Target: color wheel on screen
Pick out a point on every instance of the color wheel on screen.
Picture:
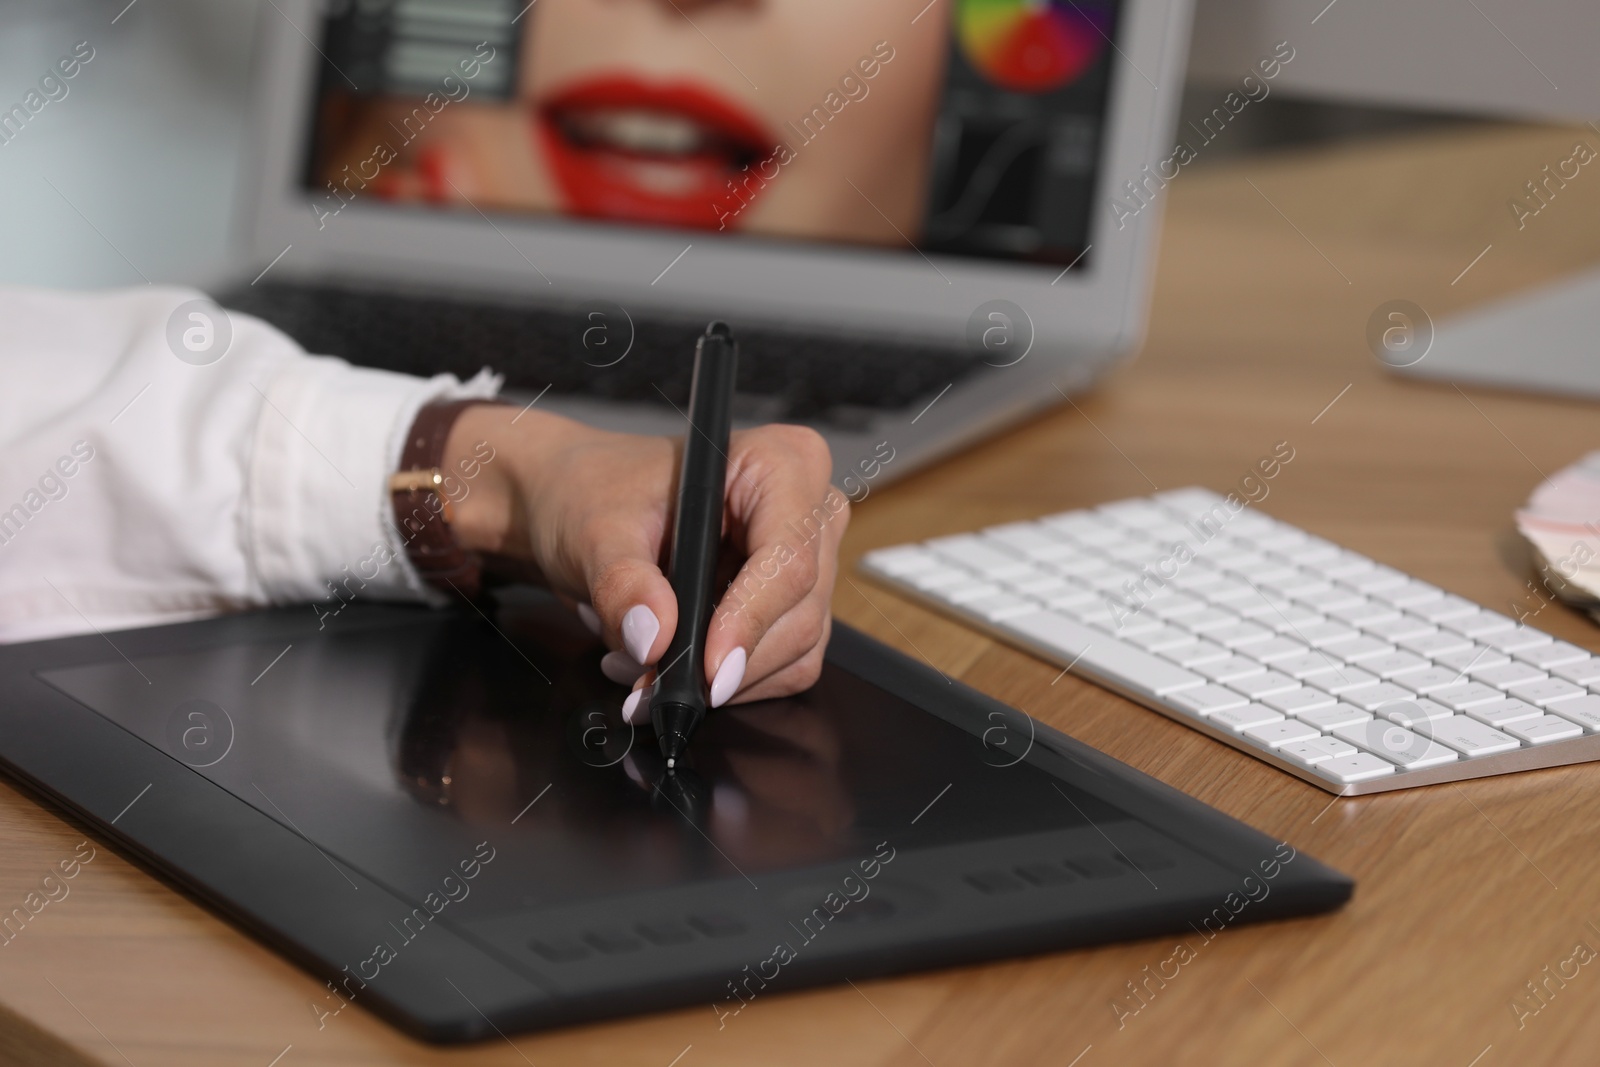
(1033, 46)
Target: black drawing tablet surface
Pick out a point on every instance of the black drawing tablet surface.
(444, 814)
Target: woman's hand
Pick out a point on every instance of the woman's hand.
(592, 510)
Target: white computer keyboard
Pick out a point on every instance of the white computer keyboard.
(1318, 660)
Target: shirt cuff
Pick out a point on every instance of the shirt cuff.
(319, 515)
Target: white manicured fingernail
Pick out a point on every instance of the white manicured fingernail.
(620, 668)
(639, 629)
(729, 675)
(590, 619)
(633, 705)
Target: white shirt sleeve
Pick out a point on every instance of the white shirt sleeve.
(137, 487)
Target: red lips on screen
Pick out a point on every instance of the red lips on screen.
(622, 148)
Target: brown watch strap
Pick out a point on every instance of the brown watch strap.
(422, 503)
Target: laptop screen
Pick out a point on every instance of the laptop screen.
(962, 127)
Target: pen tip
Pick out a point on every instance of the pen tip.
(718, 328)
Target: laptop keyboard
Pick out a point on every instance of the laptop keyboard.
(826, 379)
(1327, 664)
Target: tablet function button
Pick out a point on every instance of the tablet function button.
(559, 950)
(717, 925)
(665, 932)
(994, 882)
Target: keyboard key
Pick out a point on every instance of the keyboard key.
(1001, 606)
(1127, 626)
(1427, 679)
(1517, 640)
(1584, 672)
(1334, 717)
(1070, 598)
(1544, 729)
(1094, 614)
(1547, 691)
(1413, 714)
(1263, 685)
(1325, 634)
(1362, 648)
(1164, 638)
(942, 577)
(1273, 649)
(1306, 664)
(902, 562)
(1364, 612)
(1188, 501)
(1398, 629)
(1413, 592)
(1585, 711)
(1347, 565)
(1317, 749)
(1471, 737)
(1467, 695)
(1085, 527)
(1141, 671)
(1203, 622)
(1438, 643)
(1501, 712)
(1276, 734)
(1379, 577)
(1080, 567)
(1358, 767)
(1447, 607)
(1137, 513)
(1341, 680)
(1137, 553)
(1332, 599)
(961, 594)
(1506, 675)
(1207, 699)
(1039, 584)
(1375, 697)
(1467, 658)
(1291, 620)
(1196, 654)
(1232, 593)
(1240, 635)
(978, 554)
(1201, 583)
(1248, 717)
(1557, 654)
(1032, 540)
(1174, 605)
(1479, 625)
(1233, 667)
(1396, 744)
(1295, 585)
(1296, 701)
(1107, 582)
(1392, 663)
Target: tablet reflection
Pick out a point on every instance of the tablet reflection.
(531, 732)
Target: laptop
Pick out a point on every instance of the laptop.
(924, 218)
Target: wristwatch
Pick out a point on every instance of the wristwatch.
(422, 507)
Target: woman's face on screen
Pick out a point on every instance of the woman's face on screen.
(808, 118)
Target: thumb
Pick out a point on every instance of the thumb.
(633, 599)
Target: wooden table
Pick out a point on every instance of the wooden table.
(1465, 893)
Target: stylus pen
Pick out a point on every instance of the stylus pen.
(679, 703)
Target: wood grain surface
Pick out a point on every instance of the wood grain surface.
(1268, 272)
